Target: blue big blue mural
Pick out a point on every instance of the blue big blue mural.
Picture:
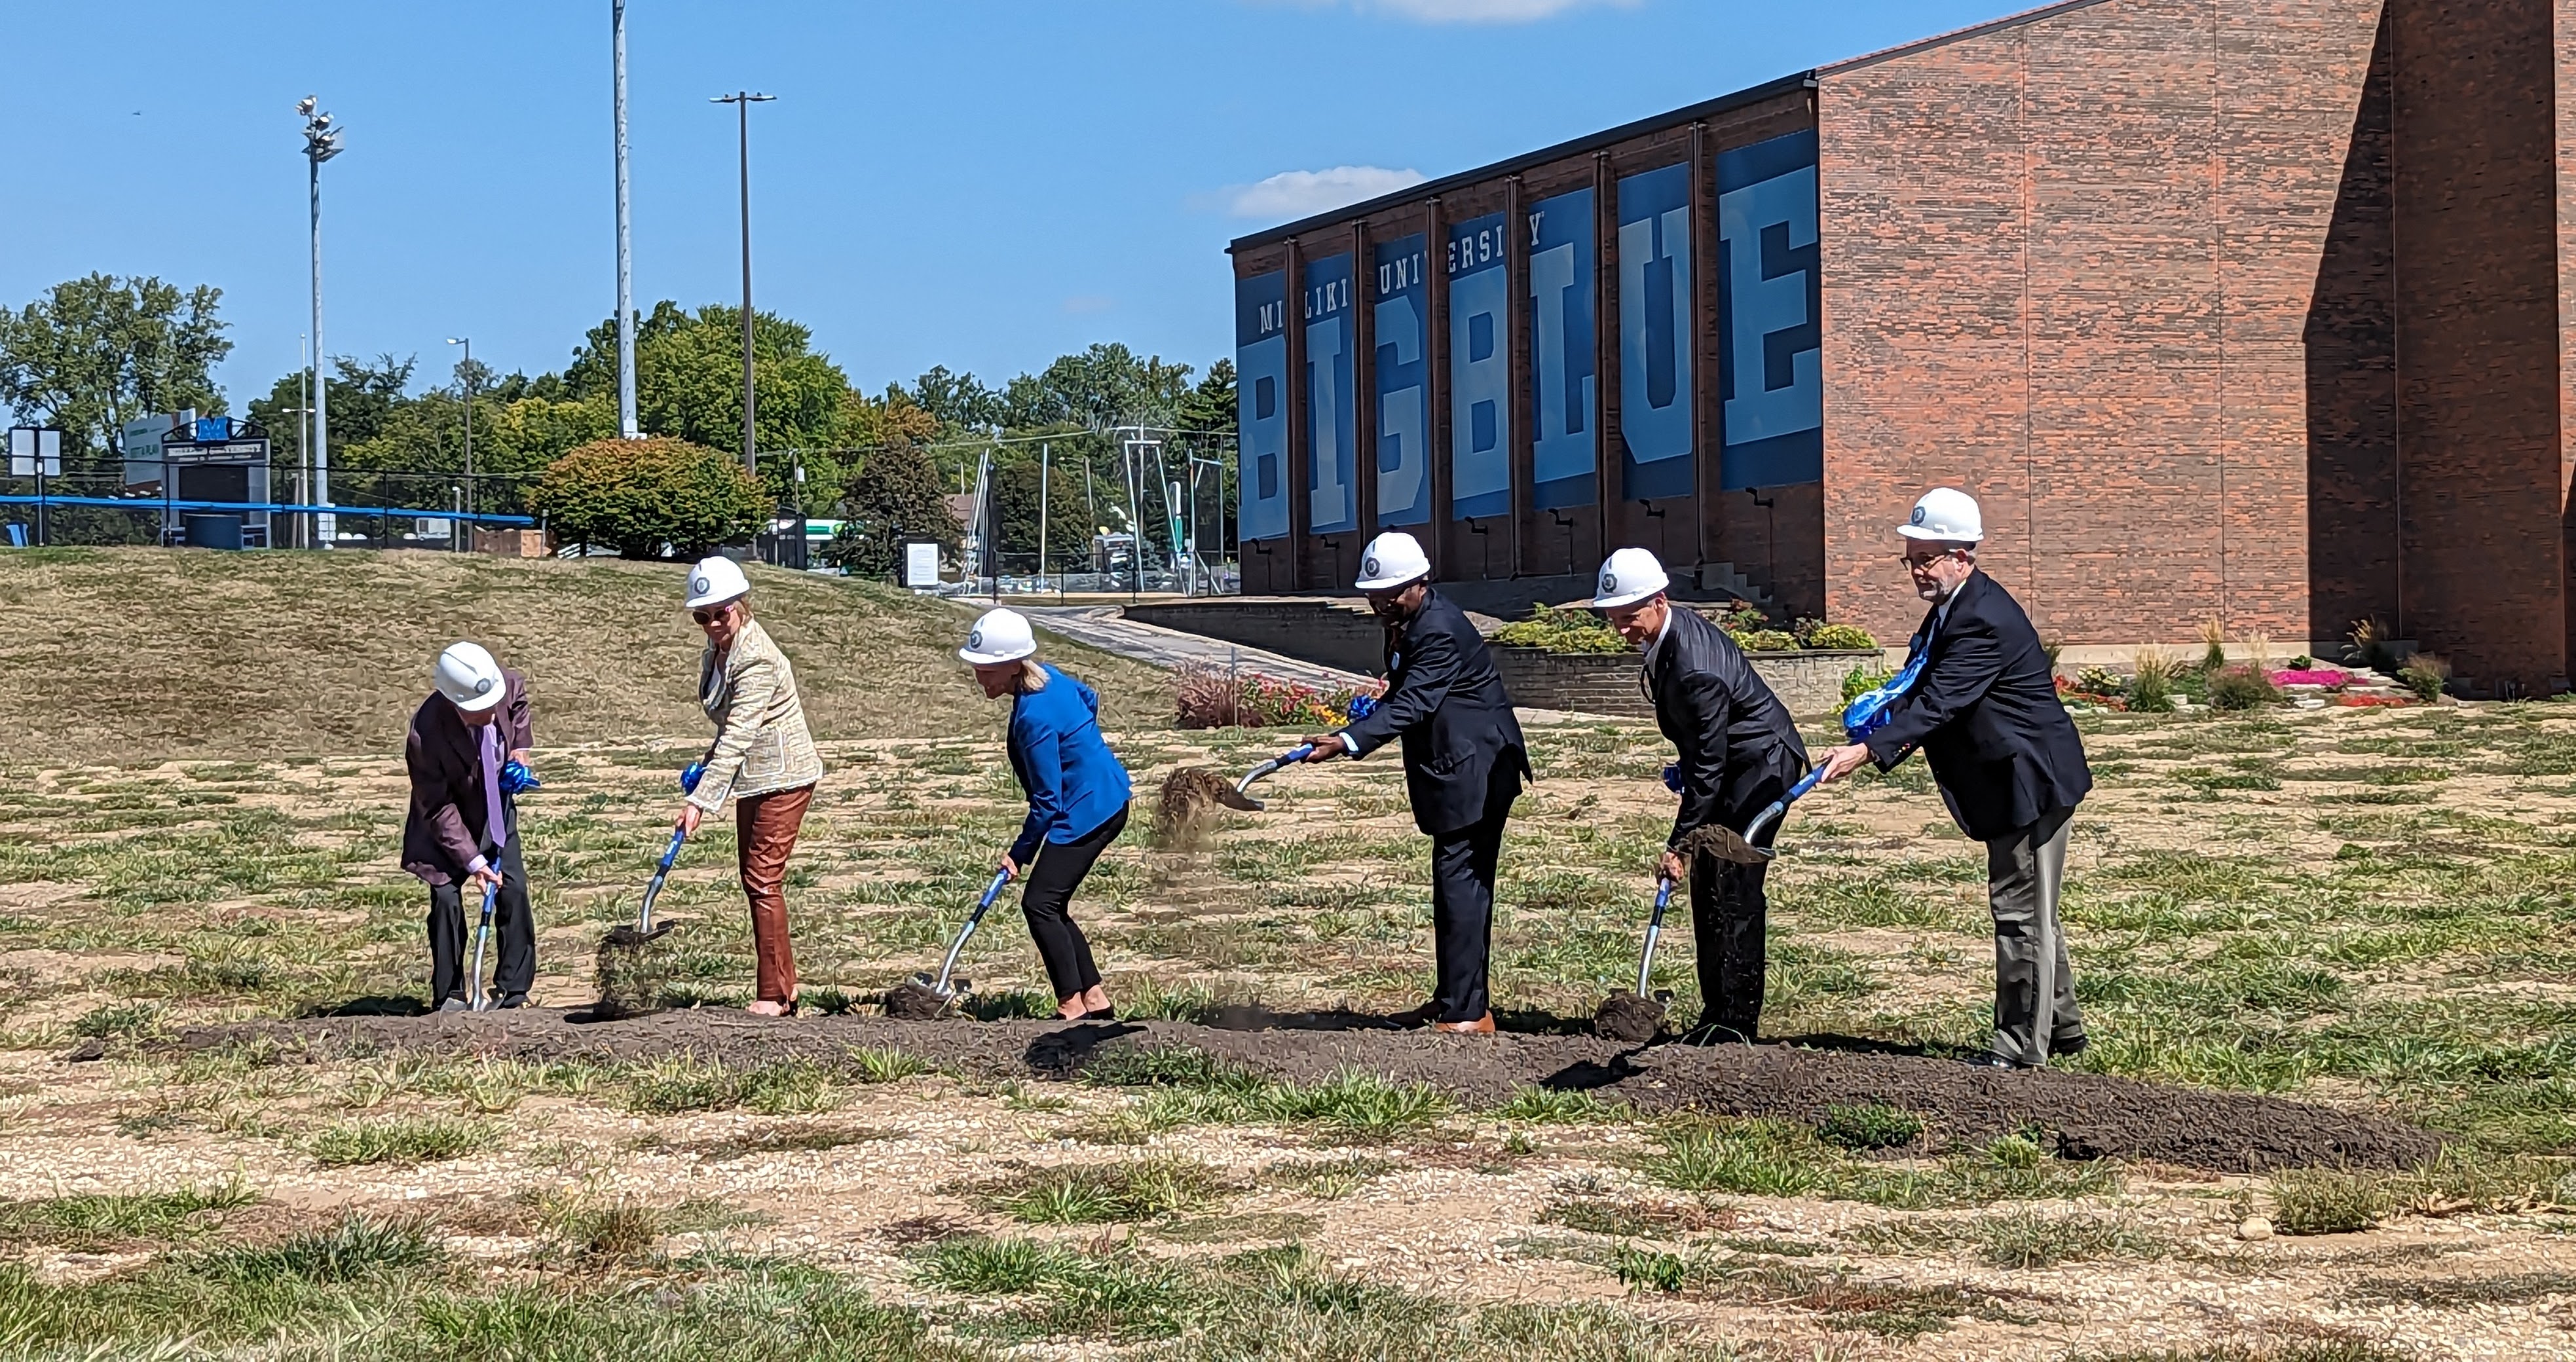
(1562, 269)
(1261, 378)
(1655, 330)
(1480, 370)
(1401, 331)
(1333, 502)
(1770, 300)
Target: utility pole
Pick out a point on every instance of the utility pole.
(465, 383)
(628, 426)
(321, 143)
(742, 100)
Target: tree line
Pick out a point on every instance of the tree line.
(93, 353)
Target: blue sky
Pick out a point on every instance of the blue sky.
(978, 183)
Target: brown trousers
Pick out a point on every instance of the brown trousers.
(766, 827)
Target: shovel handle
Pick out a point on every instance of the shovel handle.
(948, 967)
(653, 887)
(1290, 757)
(1654, 929)
(1781, 805)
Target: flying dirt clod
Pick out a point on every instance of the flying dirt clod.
(1187, 809)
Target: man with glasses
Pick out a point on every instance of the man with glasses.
(1983, 707)
(1736, 751)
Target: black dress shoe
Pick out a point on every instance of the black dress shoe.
(1099, 1014)
(455, 1005)
(514, 1000)
(1996, 1062)
(1715, 1033)
(2070, 1047)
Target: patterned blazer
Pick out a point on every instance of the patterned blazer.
(762, 745)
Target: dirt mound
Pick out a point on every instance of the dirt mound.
(1625, 1016)
(913, 1002)
(634, 968)
(2088, 1116)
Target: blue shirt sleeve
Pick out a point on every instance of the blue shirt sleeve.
(1042, 776)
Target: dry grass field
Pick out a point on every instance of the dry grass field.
(256, 1156)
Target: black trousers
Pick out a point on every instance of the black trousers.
(1730, 917)
(1060, 869)
(1462, 912)
(454, 912)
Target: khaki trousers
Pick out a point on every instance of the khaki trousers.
(2034, 987)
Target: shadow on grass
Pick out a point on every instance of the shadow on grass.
(373, 1005)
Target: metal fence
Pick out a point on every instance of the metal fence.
(254, 505)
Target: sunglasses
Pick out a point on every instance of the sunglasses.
(711, 615)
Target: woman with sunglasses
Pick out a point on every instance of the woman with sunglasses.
(1078, 796)
(762, 755)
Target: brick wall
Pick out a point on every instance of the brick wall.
(1606, 683)
(2070, 266)
(2478, 314)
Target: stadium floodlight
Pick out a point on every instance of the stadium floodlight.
(322, 141)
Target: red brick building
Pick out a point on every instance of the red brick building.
(2251, 310)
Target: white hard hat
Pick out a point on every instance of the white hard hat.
(1000, 636)
(715, 581)
(1629, 576)
(1393, 559)
(1947, 514)
(470, 679)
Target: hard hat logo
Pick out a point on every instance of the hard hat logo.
(975, 640)
(1369, 567)
(1918, 515)
(699, 584)
(483, 685)
(1609, 584)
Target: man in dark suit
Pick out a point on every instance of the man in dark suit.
(1463, 762)
(1984, 709)
(1737, 752)
(467, 754)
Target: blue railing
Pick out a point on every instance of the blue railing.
(272, 507)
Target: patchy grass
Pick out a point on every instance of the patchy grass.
(1103, 1193)
(101, 1218)
(424, 1139)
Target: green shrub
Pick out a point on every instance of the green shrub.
(1860, 681)
(2151, 683)
(1767, 641)
(894, 496)
(1838, 636)
(427, 1139)
(2240, 688)
(650, 498)
(2426, 675)
(1561, 631)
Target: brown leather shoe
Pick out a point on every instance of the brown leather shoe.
(1482, 1026)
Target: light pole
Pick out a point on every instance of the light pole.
(321, 143)
(742, 100)
(628, 427)
(465, 383)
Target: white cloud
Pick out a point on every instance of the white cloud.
(1293, 194)
(1477, 11)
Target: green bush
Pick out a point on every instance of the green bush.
(1767, 641)
(894, 496)
(2238, 688)
(1840, 636)
(1561, 631)
(650, 498)
(1860, 681)
(2151, 683)
(2425, 675)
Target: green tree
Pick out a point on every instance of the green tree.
(650, 498)
(99, 351)
(893, 496)
(688, 385)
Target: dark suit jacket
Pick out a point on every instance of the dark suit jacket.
(1986, 714)
(443, 830)
(1733, 735)
(1462, 747)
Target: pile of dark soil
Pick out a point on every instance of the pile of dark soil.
(2086, 1115)
(1627, 1017)
(909, 1001)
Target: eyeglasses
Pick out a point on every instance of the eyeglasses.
(706, 617)
(1919, 564)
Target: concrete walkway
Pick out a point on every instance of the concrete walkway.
(1105, 628)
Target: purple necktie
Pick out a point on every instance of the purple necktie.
(496, 832)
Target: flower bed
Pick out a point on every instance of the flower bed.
(1210, 698)
(2326, 677)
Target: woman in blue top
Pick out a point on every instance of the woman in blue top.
(1078, 797)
